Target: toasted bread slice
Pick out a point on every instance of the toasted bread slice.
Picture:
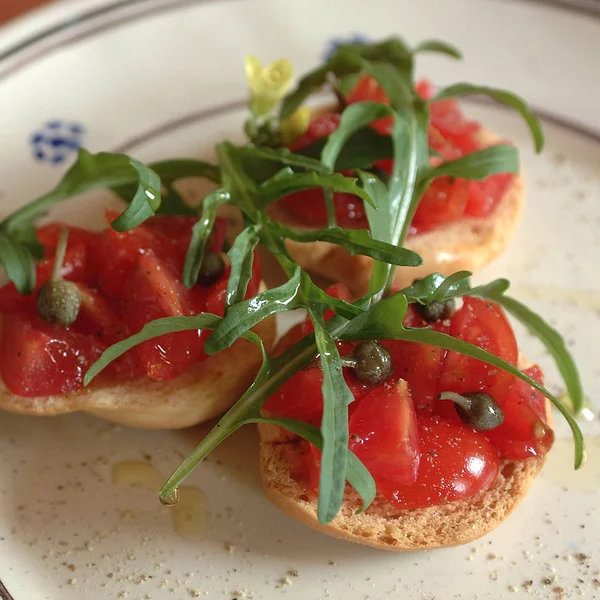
(468, 244)
(204, 391)
(382, 525)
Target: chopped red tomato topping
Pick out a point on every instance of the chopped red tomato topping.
(451, 136)
(415, 445)
(125, 280)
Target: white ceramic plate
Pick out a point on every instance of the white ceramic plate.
(165, 78)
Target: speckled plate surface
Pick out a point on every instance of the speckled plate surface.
(165, 78)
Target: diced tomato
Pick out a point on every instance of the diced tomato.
(525, 432)
(455, 464)
(310, 465)
(309, 206)
(445, 148)
(126, 279)
(483, 195)
(424, 455)
(97, 318)
(448, 119)
(450, 135)
(48, 236)
(125, 249)
(421, 366)
(73, 268)
(444, 201)
(321, 127)
(215, 296)
(384, 434)
(39, 359)
(483, 324)
(367, 89)
(156, 292)
(215, 302)
(299, 397)
(425, 89)
(172, 226)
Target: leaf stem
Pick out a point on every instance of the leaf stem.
(59, 257)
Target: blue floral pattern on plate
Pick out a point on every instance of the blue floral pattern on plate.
(56, 140)
(352, 38)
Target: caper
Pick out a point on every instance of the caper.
(211, 269)
(373, 362)
(58, 301)
(436, 310)
(477, 409)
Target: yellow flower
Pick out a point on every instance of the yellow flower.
(268, 85)
(295, 125)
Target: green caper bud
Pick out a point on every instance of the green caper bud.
(436, 310)
(477, 409)
(58, 301)
(211, 269)
(373, 362)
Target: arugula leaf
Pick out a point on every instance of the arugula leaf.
(243, 316)
(345, 61)
(146, 201)
(479, 164)
(90, 172)
(241, 257)
(354, 241)
(284, 157)
(344, 85)
(19, 264)
(379, 225)
(241, 188)
(437, 287)
(384, 321)
(288, 182)
(357, 474)
(551, 339)
(180, 168)
(200, 234)
(361, 151)
(152, 330)
(334, 424)
(410, 154)
(354, 118)
(393, 52)
(438, 46)
(457, 283)
(502, 96)
(170, 171)
(298, 292)
(273, 374)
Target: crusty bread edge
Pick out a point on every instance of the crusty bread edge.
(203, 392)
(382, 525)
(468, 244)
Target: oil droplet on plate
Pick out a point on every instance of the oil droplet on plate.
(187, 504)
(559, 466)
(189, 514)
(137, 474)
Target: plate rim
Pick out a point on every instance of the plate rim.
(74, 18)
(82, 23)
